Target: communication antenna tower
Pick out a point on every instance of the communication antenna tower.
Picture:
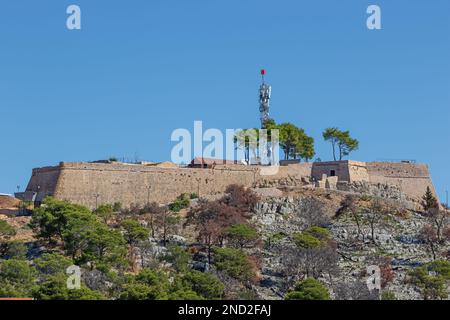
(265, 92)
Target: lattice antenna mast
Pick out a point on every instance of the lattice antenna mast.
(265, 92)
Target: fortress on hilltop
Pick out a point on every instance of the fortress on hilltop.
(92, 184)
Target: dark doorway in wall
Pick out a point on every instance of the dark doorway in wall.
(332, 173)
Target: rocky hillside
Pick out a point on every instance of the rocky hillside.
(8, 205)
(267, 243)
(396, 242)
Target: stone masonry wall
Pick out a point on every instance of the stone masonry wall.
(412, 179)
(45, 181)
(358, 171)
(91, 184)
(293, 175)
(340, 168)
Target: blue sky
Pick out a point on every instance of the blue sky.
(140, 69)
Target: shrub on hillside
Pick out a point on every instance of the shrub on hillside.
(309, 289)
(235, 263)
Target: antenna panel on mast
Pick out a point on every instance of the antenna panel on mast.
(265, 93)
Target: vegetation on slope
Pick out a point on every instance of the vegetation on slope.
(228, 250)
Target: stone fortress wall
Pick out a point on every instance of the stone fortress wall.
(412, 179)
(91, 184)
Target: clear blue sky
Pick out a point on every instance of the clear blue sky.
(139, 69)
